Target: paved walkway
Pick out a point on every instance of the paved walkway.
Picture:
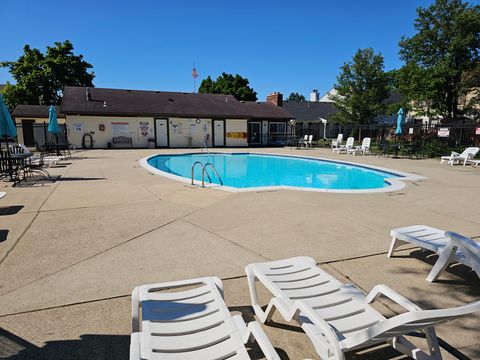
(75, 248)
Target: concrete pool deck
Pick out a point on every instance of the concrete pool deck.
(75, 248)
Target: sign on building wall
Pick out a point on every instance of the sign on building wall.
(144, 128)
(237, 135)
(443, 132)
(78, 127)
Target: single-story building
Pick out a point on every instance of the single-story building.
(97, 116)
(32, 123)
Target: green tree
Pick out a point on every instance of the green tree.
(362, 88)
(294, 96)
(228, 84)
(40, 78)
(441, 58)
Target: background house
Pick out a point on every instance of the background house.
(171, 119)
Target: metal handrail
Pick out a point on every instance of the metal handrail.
(205, 171)
(193, 170)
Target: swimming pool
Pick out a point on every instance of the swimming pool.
(252, 171)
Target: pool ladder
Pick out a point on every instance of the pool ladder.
(204, 171)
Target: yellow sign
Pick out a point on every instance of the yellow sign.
(237, 135)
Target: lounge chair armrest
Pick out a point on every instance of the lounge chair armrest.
(255, 331)
(384, 290)
(454, 153)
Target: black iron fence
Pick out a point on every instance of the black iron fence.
(37, 135)
(432, 140)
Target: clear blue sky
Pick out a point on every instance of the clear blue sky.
(278, 45)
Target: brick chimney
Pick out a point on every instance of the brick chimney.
(275, 98)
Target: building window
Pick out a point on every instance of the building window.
(277, 133)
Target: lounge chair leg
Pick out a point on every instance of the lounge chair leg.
(432, 340)
(393, 245)
(263, 316)
(442, 263)
(135, 310)
(404, 346)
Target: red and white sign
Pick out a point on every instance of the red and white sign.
(443, 132)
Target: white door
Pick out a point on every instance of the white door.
(219, 133)
(161, 132)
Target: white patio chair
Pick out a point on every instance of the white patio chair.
(451, 247)
(338, 317)
(337, 142)
(190, 323)
(309, 141)
(362, 149)
(456, 158)
(303, 141)
(345, 148)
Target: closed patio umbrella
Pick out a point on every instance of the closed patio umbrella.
(7, 127)
(53, 125)
(398, 130)
(400, 119)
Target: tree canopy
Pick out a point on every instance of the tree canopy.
(294, 96)
(40, 77)
(228, 84)
(442, 62)
(362, 88)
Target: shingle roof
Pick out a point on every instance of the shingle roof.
(310, 111)
(119, 102)
(34, 111)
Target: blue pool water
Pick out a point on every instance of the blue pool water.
(246, 170)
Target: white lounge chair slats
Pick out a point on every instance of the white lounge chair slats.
(181, 322)
(338, 317)
(451, 247)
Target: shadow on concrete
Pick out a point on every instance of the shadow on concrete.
(10, 210)
(80, 178)
(91, 347)
(3, 235)
(465, 275)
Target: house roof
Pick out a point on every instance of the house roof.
(123, 102)
(310, 111)
(34, 111)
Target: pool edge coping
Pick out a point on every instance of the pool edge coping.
(395, 183)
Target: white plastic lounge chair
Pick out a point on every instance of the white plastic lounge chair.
(303, 142)
(190, 323)
(2, 194)
(336, 143)
(456, 158)
(345, 148)
(362, 149)
(309, 141)
(337, 317)
(451, 247)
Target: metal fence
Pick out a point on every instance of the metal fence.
(435, 138)
(36, 134)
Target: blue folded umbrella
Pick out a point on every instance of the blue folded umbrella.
(400, 119)
(52, 121)
(7, 127)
